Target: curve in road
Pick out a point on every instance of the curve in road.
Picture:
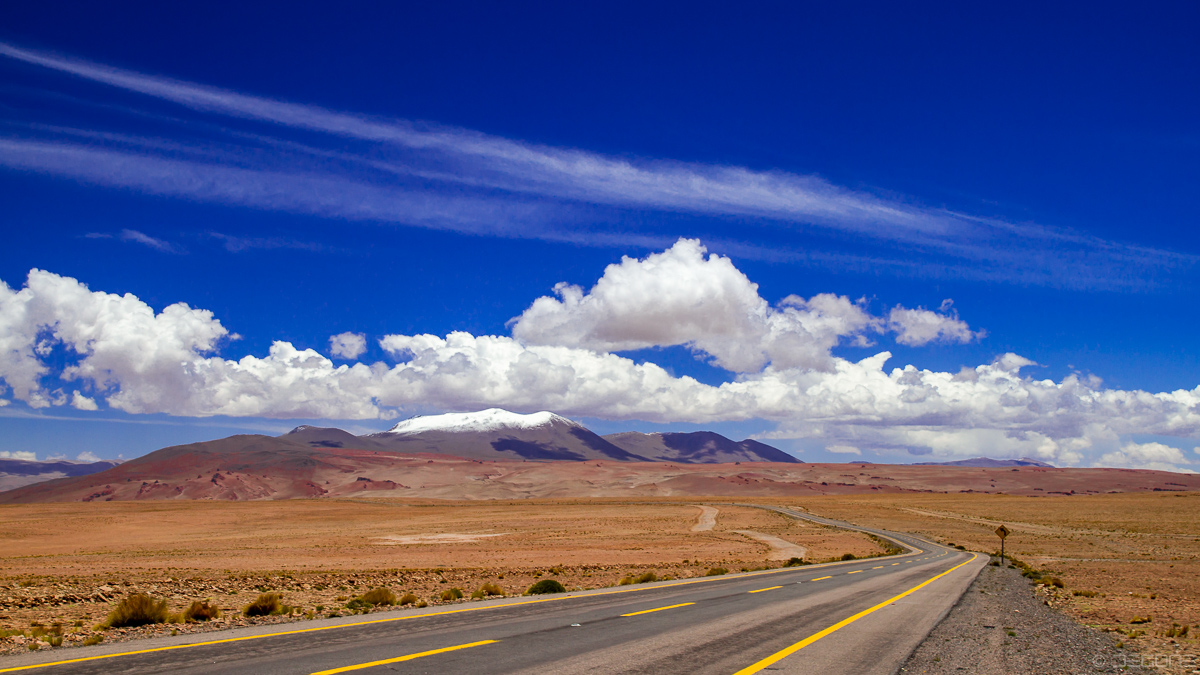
(860, 616)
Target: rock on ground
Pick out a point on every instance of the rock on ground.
(1001, 627)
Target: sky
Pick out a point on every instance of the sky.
(856, 232)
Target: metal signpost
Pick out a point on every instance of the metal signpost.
(1002, 532)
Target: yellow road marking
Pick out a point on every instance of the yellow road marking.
(398, 659)
(877, 568)
(765, 589)
(782, 654)
(822, 578)
(243, 638)
(659, 609)
(854, 572)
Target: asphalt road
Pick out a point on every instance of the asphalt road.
(861, 616)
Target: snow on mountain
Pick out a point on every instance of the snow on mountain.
(492, 419)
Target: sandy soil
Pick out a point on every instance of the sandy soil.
(68, 563)
(706, 520)
(781, 549)
(1120, 556)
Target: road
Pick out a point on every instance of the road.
(862, 616)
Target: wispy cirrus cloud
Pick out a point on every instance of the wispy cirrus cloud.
(138, 237)
(347, 166)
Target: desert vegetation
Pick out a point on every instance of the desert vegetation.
(138, 609)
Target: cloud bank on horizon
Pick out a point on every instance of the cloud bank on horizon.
(564, 355)
(310, 160)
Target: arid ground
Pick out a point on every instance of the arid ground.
(1121, 558)
(68, 563)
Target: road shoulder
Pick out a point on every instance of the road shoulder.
(1000, 627)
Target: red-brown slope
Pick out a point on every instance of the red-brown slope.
(262, 467)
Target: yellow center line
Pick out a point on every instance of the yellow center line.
(765, 589)
(877, 568)
(398, 659)
(854, 572)
(780, 655)
(822, 578)
(243, 638)
(659, 609)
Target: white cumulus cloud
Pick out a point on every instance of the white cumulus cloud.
(844, 449)
(18, 454)
(560, 357)
(86, 456)
(684, 297)
(1156, 456)
(920, 326)
(348, 345)
(81, 402)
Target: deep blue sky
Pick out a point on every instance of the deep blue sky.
(1079, 118)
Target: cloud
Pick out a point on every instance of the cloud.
(348, 345)
(81, 402)
(136, 237)
(86, 456)
(843, 449)
(139, 360)
(156, 244)
(1157, 456)
(235, 244)
(683, 297)
(919, 327)
(350, 166)
(18, 454)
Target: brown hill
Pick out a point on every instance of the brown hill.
(262, 467)
(697, 447)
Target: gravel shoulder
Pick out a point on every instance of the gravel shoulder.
(1002, 627)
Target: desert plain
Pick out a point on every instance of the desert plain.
(1128, 563)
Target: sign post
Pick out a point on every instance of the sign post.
(1002, 532)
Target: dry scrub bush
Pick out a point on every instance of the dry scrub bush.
(716, 572)
(382, 596)
(545, 586)
(409, 599)
(849, 556)
(452, 594)
(795, 562)
(138, 609)
(487, 590)
(200, 610)
(265, 605)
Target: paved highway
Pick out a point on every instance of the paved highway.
(862, 616)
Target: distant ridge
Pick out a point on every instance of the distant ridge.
(15, 473)
(989, 463)
(698, 447)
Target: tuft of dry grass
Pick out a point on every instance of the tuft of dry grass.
(383, 596)
(137, 609)
(265, 604)
(451, 594)
(200, 610)
(409, 599)
(487, 590)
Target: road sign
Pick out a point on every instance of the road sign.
(1002, 532)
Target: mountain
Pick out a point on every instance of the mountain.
(17, 472)
(989, 463)
(697, 447)
(499, 434)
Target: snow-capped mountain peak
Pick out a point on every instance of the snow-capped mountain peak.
(492, 419)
